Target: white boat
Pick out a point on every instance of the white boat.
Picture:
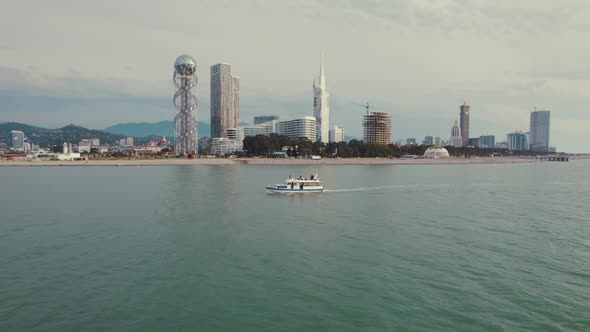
(298, 185)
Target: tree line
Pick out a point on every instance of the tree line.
(266, 145)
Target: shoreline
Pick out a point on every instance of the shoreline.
(273, 161)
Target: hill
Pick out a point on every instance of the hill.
(162, 128)
(48, 137)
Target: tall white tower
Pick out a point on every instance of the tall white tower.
(186, 138)
(321, 108)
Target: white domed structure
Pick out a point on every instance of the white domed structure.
(436, 152)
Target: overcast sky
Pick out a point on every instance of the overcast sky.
(97, 63)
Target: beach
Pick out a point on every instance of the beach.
(271, 161)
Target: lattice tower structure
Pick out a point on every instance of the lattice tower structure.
(186, 138)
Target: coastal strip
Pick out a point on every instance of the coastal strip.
(272, 161)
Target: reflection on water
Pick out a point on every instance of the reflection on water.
(457, 247)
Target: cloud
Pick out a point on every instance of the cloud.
(417, 59)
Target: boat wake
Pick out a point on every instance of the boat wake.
(363, 189)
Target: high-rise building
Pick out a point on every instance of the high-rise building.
(411, 141)
(265, 118)
(464, 119)
(321, 108)
(487, 141)
(517, 141)
(437, 141)
(129, 141)
(539, 131)
(186, 136)
(377, 128)
(456, 139)
(336, 134)
(304, 126)
(428, 140)
(225, 99)
(18, 139)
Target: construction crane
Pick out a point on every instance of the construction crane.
(365, 106)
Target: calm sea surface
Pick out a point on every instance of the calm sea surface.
(412, 248)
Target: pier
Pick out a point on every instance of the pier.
(554, 158)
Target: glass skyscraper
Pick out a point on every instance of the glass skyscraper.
(539, 131)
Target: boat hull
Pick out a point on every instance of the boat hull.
(293, 191)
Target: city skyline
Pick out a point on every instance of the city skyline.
(503, 79)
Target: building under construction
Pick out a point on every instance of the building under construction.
(377, 128)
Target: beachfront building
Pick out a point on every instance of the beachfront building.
(487, 141)
(377, 128)
(129, 141)
(222, 146)
(456, 139)
(321, 108)
(539, 131)
(235, 133)
(67, 154)
(517, 141)
(304, 126)
(84, 145)
(225, 100)
(18, 140)
(336, 134)
(264, 128)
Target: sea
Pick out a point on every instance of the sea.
(499, 247)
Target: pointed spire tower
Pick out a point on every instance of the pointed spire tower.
(321, 108)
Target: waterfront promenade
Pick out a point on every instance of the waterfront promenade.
(272, 161)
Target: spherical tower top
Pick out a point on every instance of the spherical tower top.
(185, 65)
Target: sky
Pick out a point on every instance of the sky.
(98, 63)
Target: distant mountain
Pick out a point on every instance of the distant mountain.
(162, 128)
(48, 137)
